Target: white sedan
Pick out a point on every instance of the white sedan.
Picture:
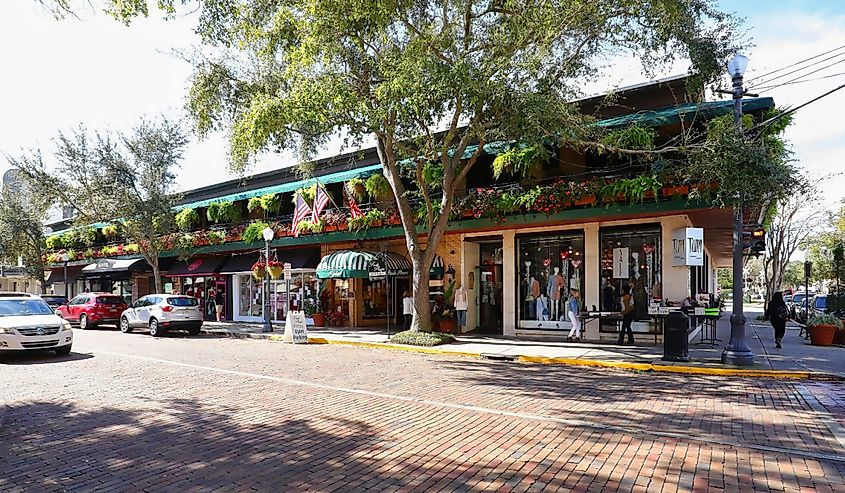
(28, 323)
(162, 312)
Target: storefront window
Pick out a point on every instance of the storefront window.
(250, 296)
(549, 267)
(375, 298)
(630, 257)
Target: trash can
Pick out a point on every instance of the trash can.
(675, 342)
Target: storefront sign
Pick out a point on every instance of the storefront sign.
(620, 263)
(653, 308)
(688, 247)
(699, 311)
(296, 331)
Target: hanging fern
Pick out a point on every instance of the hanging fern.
(186, 218)
(307, 194)
(212, 212)
(254, 233)
(432, 173)
(357, 188)
(377, 186)
(520, 160)
(633, 137)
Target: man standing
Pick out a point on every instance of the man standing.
(219, 301)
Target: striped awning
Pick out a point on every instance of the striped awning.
(346, 264)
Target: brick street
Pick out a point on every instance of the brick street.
(132, 413)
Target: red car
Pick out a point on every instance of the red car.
(92, 309)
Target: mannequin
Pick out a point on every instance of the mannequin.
(542, 308)
(553, 287)
(533, 294)
(461, 305)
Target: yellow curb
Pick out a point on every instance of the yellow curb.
(691, 370)
(396, 347)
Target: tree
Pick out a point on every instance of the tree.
(793, 274)
(794, 221)
(127, 177)
(22, 216)
(431, 82)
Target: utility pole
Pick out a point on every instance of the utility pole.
(737, 351)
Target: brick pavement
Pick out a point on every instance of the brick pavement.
(206, 414)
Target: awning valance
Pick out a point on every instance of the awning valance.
(347, 264)
(57, 274)
(437, 266)
(108, 266)
(197, 266)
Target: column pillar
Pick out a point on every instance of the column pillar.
(592, 280)
(510, 282)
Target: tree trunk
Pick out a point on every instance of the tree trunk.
(422, 309)
(156, 275)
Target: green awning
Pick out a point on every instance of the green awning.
(690, 111)
(349, 264)
(338, 177)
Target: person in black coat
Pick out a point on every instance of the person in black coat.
(778, 314)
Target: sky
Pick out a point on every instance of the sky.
(94, 70)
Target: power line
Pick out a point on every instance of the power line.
(808, 73)
(763, 124)
(798, 63)
(796, 70)
(775, 86)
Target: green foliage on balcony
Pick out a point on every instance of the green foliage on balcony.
(254, 233)
(186, 219)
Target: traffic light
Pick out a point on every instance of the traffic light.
(754, 241)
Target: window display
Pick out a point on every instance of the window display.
(550, 266)
(630, 258)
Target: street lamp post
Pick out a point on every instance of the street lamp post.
(65, 258)
(268, 235)
(737, 351)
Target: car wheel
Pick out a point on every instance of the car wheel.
(194, 331)
(124, 325)
(155, 330)
(83, 321)
(63, 351)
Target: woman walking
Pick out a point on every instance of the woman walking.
(778, 314)
(573, 310)
(407, 309)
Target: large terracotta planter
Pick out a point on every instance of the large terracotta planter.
(448, 325)
(839, 338)
(319, 319)
(822, 335)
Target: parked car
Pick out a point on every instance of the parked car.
(162, 312)
(92, 309)
(797, 300)
(818, 305)
(787, 299)
(16, 294)
(27, 323)
(54, 300)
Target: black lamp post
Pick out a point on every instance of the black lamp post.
(268, 235)
(737, 351)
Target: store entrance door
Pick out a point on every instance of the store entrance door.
(490, 308)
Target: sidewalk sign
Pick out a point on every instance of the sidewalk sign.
(296, 331)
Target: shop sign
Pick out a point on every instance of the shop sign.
(620, 263)
(296, 331)
(688, 247)
(653, 308)
(287, 268)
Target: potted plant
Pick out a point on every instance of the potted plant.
(318, 313)
(274, 267)
(447, 320)
(258, 270)
(823, 328)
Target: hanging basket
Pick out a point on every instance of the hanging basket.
(275, 271)
(258, 270)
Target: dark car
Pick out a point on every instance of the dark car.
(92, 309)
(54, 300)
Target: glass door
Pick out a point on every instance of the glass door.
(490, 308)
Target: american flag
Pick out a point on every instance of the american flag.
(321, 198)
(299, 213)
(353, 207)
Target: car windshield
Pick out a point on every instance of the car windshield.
(110, 300)
(182, 301)
(11, 308)
(798, 298)
(821, 302)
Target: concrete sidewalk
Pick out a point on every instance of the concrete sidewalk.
(797, 359)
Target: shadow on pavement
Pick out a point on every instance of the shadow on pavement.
(40, 357)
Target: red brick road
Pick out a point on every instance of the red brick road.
(132, 413)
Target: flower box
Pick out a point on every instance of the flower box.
(329, 228)
(673, 190)
(590, 200)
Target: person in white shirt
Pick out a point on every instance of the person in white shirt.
(407, 309)
(461, 305)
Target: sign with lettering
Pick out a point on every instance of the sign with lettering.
(653, 308)
(620, 263)
(688, 247)
(663, 310)
(296, 331)
(699, 310)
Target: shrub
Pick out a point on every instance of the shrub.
(427, 339)
(306, 226)
(254, 233)
(212, 212)
(377, 186)
(229, 212)
(216, 237)
(111, 231)
(55, 242)
(186, 218)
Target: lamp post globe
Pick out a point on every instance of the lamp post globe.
(737, 65)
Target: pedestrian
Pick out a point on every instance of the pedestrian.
(778, 314)
(219, 301)
(574, 312)
(627, 315)
(407, 308)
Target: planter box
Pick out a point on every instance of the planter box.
(586, 201)
(319, 319)
(822, 335)
(671, 191)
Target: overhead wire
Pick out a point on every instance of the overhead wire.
(795, 64)
(798, 79)
(775, 86)
(754, 84)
